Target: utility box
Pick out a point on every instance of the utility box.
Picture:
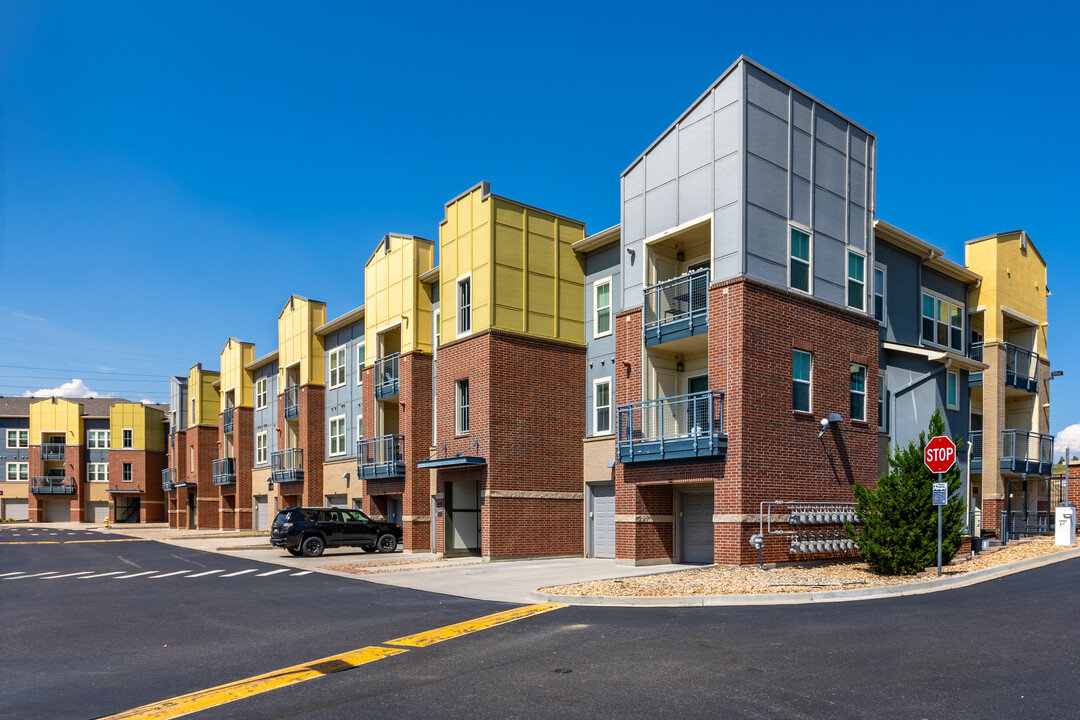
(976, 523)
(1065, 531)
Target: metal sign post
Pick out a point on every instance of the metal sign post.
(941, 497)
(940, 455)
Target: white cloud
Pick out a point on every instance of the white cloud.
(74, 389)
(1067, 439)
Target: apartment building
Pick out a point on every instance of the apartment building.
(188, 480)
(15, 458)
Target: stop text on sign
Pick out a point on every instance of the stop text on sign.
(940, 454)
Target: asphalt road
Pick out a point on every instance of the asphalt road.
(87, 648)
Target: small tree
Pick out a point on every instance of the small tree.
(899, 533)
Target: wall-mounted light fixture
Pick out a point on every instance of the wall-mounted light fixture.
(679, 367)
(346, 476)
(630, 251)
(826, 421)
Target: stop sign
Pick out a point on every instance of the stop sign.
(939, 454)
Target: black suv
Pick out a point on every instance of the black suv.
(308, 531)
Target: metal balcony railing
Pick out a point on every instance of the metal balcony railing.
(292, 402)
(1026, 522)
(227, 420)
(975, 437)
(1021, 368)
(975, 352)
(1027, 452)
(53, 451)
(287, 466)
(684, 426)
(381, 457)
(677, 308)
(168, 479)
(386, 376)
(52, 485)
(225, 471)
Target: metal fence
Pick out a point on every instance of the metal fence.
(679, 417)
(52, 485)
(287, 465)
(386, 376)
(383, 456)
(292, 402)
(681, 298)
(224, 471)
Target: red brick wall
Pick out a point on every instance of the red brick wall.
(313, 439)
(74, 467)
(177, 459)
(234, 501)
(204, 439)
(146, 467)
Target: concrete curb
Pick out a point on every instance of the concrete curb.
(829, 596)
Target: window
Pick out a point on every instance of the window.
(856, 280)
(858, 392)
(602, 307)
(127, 472)
(602, 406)
(191, 419)
(128, 438)
(942, 322)
(337, 367)
(462, 405)
(18, 438)
(359, 428)
(261, 446)
(881, 402)
(952, 390)
(438, 328)
(360, 357)
(260, 393)
(799, 266)
(879, 294)
(337, 435)
(98, 439)
(18, 471)
(97, 472)
(800, 380)
(464, 306)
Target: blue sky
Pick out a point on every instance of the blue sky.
(172, 172)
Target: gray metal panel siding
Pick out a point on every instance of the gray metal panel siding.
(95, 455)
(945, 286)
(600, 352)
(178, 401)
(912, 408)
(266, 418)
(12, 454)
(346, 399)
(902, 296)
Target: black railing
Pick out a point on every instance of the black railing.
(53, 451)
(381, 457)
(52, 485)
(386, 376)
(292, 402)
(1027, 452)
(287, 466)
(225, 471)
(1026, 522)
(1021, 368)
(227, 420)
(683, 426)
(677, 308)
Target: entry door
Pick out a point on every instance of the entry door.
(262, 517)
(602, 521)
(393, 509)
(463, 516)
(697, 412)
(695, 527)
(664, 420)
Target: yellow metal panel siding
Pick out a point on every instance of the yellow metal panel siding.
(1012, 278)
(63, 416)
(234, 377)
(571, 283)
(203, 397)
(147, 430)
(298, 343)
(465, 246)
(393, 290)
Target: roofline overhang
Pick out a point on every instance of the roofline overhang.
(337, 323)
(598, 240)
(431, 276)
(932, 256)
(264, 360)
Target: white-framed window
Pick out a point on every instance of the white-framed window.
(952, 390)
(602, 406)
(438, 328)
(337, 367)
(337, 435)
(262, 445)
(359, 427)
(361, 356)
(802, 364)
(942, 322)
(18, 438)
(98, 439)
(97, 472)
(602, 307)
(261, 395)
(464, 305)
(800, 264)
(17, 471)
(461, 404)
(879, 293)
(858, 392)
(127, 476)
(881, 393)
(129, 438)
(856, 280)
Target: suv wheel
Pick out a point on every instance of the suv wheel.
(294, 551)
(313, 546)
(387, 543)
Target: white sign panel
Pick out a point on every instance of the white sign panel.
(941, 493)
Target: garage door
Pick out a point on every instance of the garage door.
(695, 527)
(58, 511)
(16, 510)
(262, 513)
(98, 511)
(338, 501)
(602, 521)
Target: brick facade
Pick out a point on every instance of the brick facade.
(145, 484)
(74, 464)
(202, 442)
(234, 501)
(309, 426)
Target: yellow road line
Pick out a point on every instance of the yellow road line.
(212, 697)
(469, 626)
(32, 542)
(71, 542)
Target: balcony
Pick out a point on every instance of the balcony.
(381, 458)
(227, 420)
(975, 438)
(1026, 452)
(225, 471)
(52, 485)
(677, 308)
(675, 428)
(168, 479)
(1021, 368)
(287, 466)
(292, 402)
(386, 376)
(975, 352)
(52, 451)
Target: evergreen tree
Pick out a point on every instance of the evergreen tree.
(899, 532)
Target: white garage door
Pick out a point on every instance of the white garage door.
(338, 501)
(57, 511)
(602, 521)
(695, 527)
(98, 511)
(262, 513)
(16, 510)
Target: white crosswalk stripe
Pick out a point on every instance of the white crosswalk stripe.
(170, 574)
(17, 572)
(241, 572)
(57, 577)
(272, 572)
(203, 574)
(306, 572)
(24, 577)
(134, 575)
(89, 577)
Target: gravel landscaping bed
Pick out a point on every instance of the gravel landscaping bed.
(751, 580)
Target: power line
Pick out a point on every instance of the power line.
(84, 372)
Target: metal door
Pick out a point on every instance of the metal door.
(16, 510)
(463, 516)
(262, 513)
(338, 501)
(602, 520)
(393, 509)
(97, 511)
(57, 511)
(695, 526)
